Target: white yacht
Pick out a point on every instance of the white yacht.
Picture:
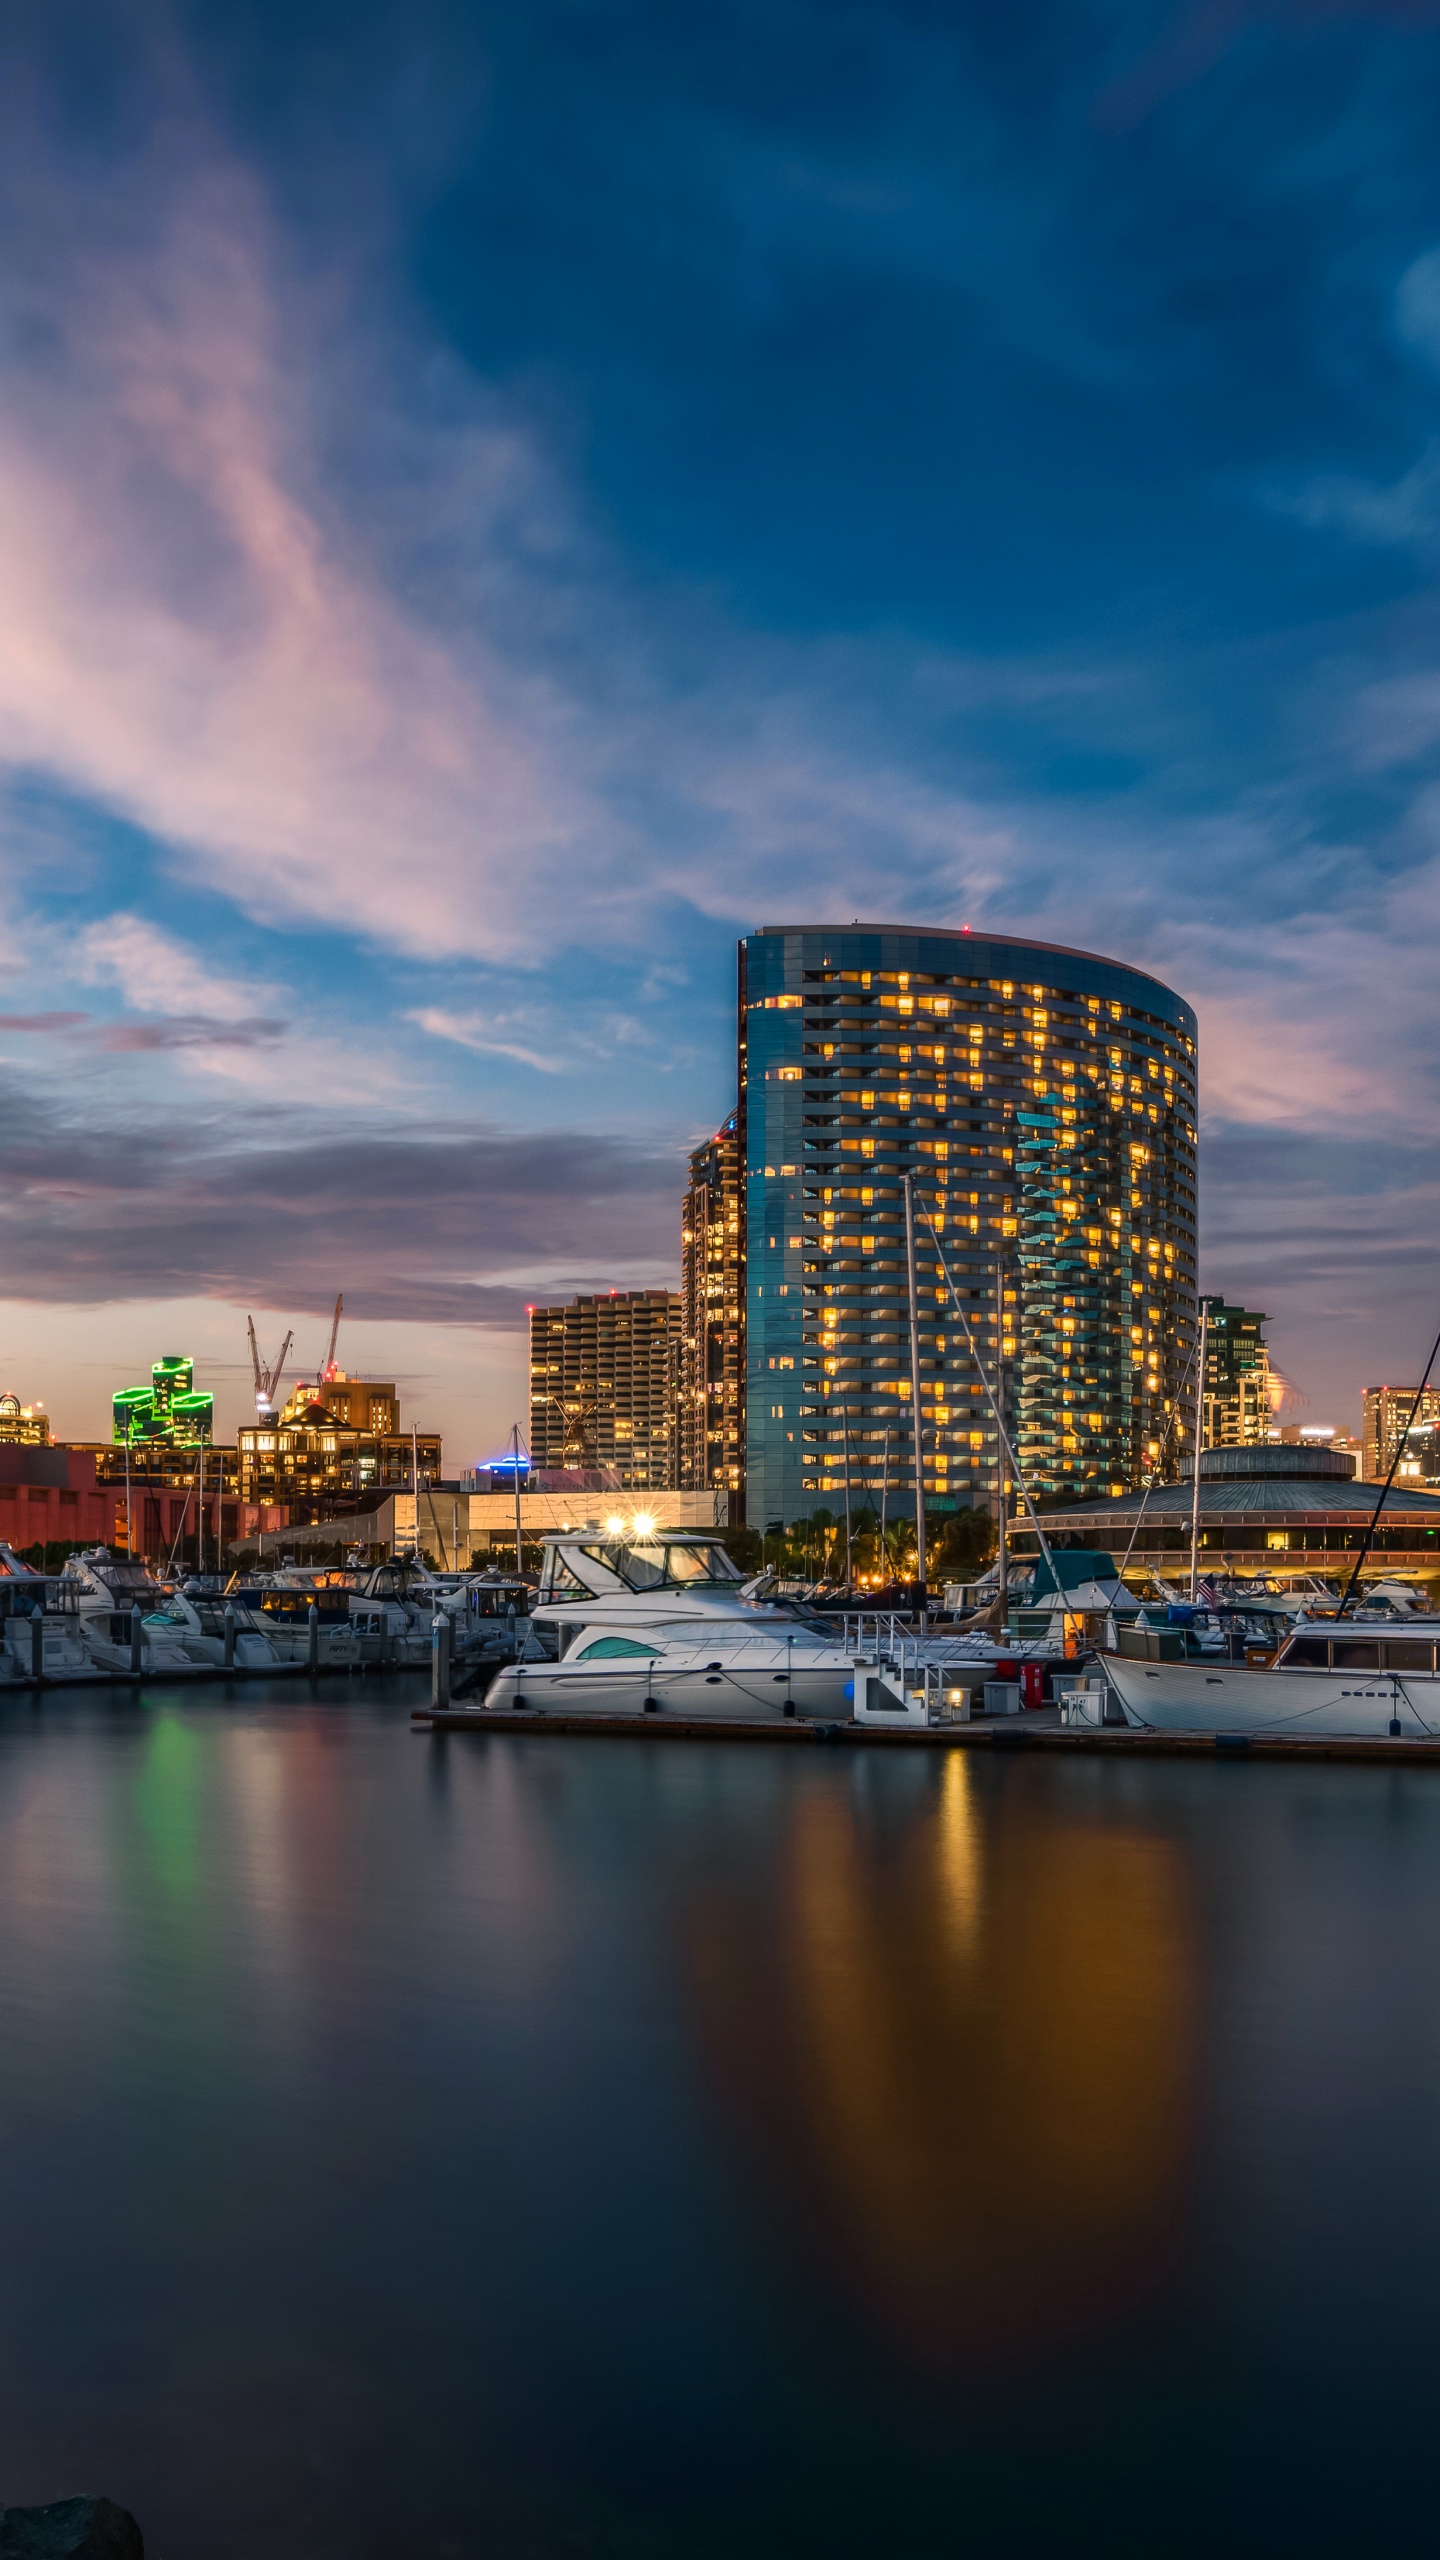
(665, 1624)
(1338, 1678)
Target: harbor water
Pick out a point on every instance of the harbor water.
(532, 2147)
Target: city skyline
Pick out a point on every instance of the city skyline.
(430, 642)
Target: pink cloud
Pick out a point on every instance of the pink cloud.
(189, 633)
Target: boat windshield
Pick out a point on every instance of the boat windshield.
(654, 1564)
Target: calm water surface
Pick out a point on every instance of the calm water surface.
(541, 2148)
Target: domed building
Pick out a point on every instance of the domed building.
(1278, 1507)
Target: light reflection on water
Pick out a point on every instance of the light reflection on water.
(628, 2149)
(977, 2048)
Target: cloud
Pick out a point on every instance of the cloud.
(41, 1021)
(1406, 510)
(188, 630)
(478, 1031)
(155, 971)
(190, 1031)
(436, 1223)
(1417, 306)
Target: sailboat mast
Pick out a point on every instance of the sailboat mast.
(1199, 1425)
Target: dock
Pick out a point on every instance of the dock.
(1009, 1735)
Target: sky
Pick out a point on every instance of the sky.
(496, 502)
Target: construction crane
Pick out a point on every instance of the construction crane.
(327, 1366)
(267, 1380)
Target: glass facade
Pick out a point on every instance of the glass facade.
(167, 1410)
(1044, 1101)
(712, 1297)
(1237, 1410)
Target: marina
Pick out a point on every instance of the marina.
(441, 2136)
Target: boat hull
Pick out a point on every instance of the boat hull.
(697, 1694)
(1201, 1697)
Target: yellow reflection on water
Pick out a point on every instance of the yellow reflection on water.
(964, 2063)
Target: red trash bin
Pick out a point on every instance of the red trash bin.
(1032, 1684)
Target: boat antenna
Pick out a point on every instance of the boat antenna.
(1400, 1440)
(993, 1403)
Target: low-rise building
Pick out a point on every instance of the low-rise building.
(49, 1498)
(1284, 1508)
(24, 1426)
(458, 1529)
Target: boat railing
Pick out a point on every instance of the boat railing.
(872, 1630)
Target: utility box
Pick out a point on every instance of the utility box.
(1002, 1697)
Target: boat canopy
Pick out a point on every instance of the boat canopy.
(589, 1564)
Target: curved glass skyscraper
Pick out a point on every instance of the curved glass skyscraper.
(1045, 1102)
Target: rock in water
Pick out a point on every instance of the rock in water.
(73, 2529)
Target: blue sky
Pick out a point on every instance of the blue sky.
(496, 501)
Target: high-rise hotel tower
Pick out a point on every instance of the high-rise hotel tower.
(1044, 1100)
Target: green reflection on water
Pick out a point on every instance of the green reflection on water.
(167, 1796)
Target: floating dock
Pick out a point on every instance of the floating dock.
(1010, 1735)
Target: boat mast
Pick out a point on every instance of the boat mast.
(915, 1394)
(1002, 1488)
(1400, 1441)
(992, 1400)
(515, 1428)
(1199, 1425)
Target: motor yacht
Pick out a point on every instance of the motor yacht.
(1361, 1681)
(667, 1625)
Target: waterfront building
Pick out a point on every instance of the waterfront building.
(25, 1426)
(330, 1449)
(49, 1498)
(712, 1300)
(1044, 1101)
(1420, 1457)
(169, 1409)
(168, 1482)
(1386, 1413)
(604, 1386)
(1237, 1377)
(1288, 1507)
(459, 1528)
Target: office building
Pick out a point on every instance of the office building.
(1385, 1414)
(712, 1303)
(167, 1410)
(1043, 1100)
(1237, 1377)
(604, 1386)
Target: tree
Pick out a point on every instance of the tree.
(962, 1546)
